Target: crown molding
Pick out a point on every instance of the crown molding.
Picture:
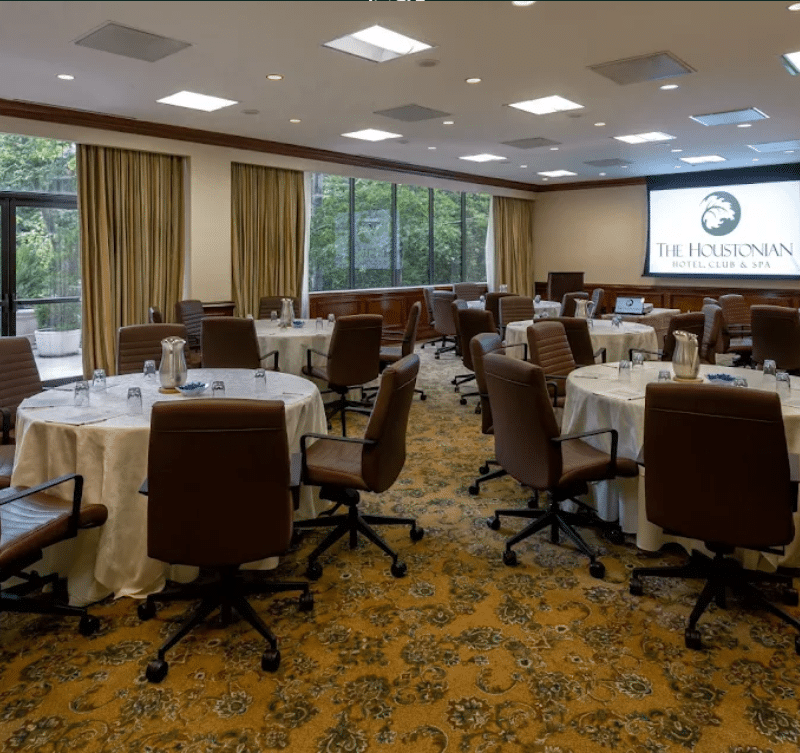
(593, 184)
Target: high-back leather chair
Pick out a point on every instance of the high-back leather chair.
(31, 520)
(580, 341)
(190, 313)
(393, 353)
(598, 297)
(248, 474)
(472, 322)
(269, 303)
(343, 468)
(559, 283)
(514, 308)
(231, 343)
(548, 348)
(749, 443)
(154, 315)
(443, 321)
(470, 291)
(568, 302)
(493, 304)
(19, 378)
(352, 360)
(776, 336)
(528, 445)
(736, 322)
(693, 322)
(713, 341)
(138, 343)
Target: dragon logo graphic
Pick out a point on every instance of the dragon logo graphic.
(720, 213)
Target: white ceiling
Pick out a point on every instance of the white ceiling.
(520, 53)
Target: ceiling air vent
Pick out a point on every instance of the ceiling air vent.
(131, 43)
(637, 70)
(612, 162)
(412, 113)
(533, 143)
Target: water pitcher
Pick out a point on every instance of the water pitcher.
(287, 312)
(172, 371)
(583, 308)
(686, 358)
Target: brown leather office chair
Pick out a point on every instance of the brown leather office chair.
(737, 329)
(269, 303)
(248, 476)
(707, 301)
(443, 321)
(493, 304)
(549, 348)
(138, 343)
(470, 291)
(529, 446)
(352, 360)
(344, 467)
(693, 322)
(559, 283)
(32, 519)
(427, 290)
(514, 308)
(718, 508)
(405, 343)
(580, 341)
(155, 316)
(19, 378)
(231, 343)
(568, 302)
(472, 322)
(598, 298)
(776, 336)
(713, 342)
(190, 313)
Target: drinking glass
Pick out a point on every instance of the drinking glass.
(537, 299)
(149, 371)
(319, 323)
(99, 380)
(616, 321)
(331, 319)
(664, 375)
(134, 401)
(624, 371)
(81, 394)
(218, 389)
(783, 385)
(503, 289)
(769, 371)
(740, 382)
(273, 316)
(260, 381)
(637, 359)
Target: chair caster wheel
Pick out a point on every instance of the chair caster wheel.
(510, 558)
(88, 625)
(306, 602)
(478, 409)
(270, 660)
(463, 401)
(533, 502)
(597, 569)
(314, 570)
(790, 597)
(156, 670)
(146, 610)
(615, 536)
(635, 587)
(399, 569)
(692, 639)
(483, 469)
(423, 396)
(493, 523)
(417, 533)
(436, 356)
(474, 490)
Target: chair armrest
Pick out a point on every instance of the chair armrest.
(276, 355)
(309, 351)
(602, 353)
(6, 425)
(77, 496)
(304, 445)
(580, 435)
(554, 390)
(517, 345)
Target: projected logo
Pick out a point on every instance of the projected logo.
(720, 213)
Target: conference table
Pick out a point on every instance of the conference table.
(657, 318)
(293, 342)
(596, 398)
(617, 340)
(109, 447)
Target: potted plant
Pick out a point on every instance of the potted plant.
(59, 328)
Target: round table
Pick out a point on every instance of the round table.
(597, 399)
(293, 342)
(616, 340)
(547, 308)
(657, 318)
(109, 448)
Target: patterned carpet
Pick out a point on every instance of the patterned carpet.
(463, 654)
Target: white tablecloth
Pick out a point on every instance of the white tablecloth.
(111, 454)
(293, 342)
(547, 308)
(657, 318)
(616, 340)
(596, 399)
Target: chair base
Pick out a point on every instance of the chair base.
(444, 347)
(721, 573)
(227, 592)
(353, 523)
(342, 405)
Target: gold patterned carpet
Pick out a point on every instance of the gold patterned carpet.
(463, 654)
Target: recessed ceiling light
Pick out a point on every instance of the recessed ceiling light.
(295, 120)
(676, 150)
(523, 3)
(483, 158)
(195, 101)
(275, 77)
(65, 77)
(624, 167)
(644, 138)
(473, 80)
(703, 159)
(789, 151)
(677, 167)
(730, 117)
(602, 174)
(744, 125)
(431, 148)
(557, 173)
(372, 134)
(553, 148)
(523, 166)
(447, 122)
(668, 87)
(599, 124)
(546, 105)
(378, 44)
(545, 178)
(794, 6)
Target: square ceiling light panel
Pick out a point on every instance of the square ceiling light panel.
(766, 147)
(377, 44)
(546, 105)
(557, 174)
(483, 158)
(131, 43)
(644, 138)
(637, 70)
(703, 160)
(372, 134)
(731, 117)
(194, 101)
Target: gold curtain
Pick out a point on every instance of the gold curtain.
(267, 234)
(131, 207)
(513, 244)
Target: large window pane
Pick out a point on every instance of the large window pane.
(36, 165)
(373, 234)
(446, 236)
(412, 235)
(328, 259)
(477, 211)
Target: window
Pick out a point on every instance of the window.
(372, 234)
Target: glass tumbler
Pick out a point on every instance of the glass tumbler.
(260, 378)
(319, 323)
(331, 319)
(769, 370)
(149, 371)
(664, 375)
(783, 385)
(637, 359)
(99, 380)
(273, 316)
(81, 399)
(134, 401)
(218, 389)
(624, 371)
